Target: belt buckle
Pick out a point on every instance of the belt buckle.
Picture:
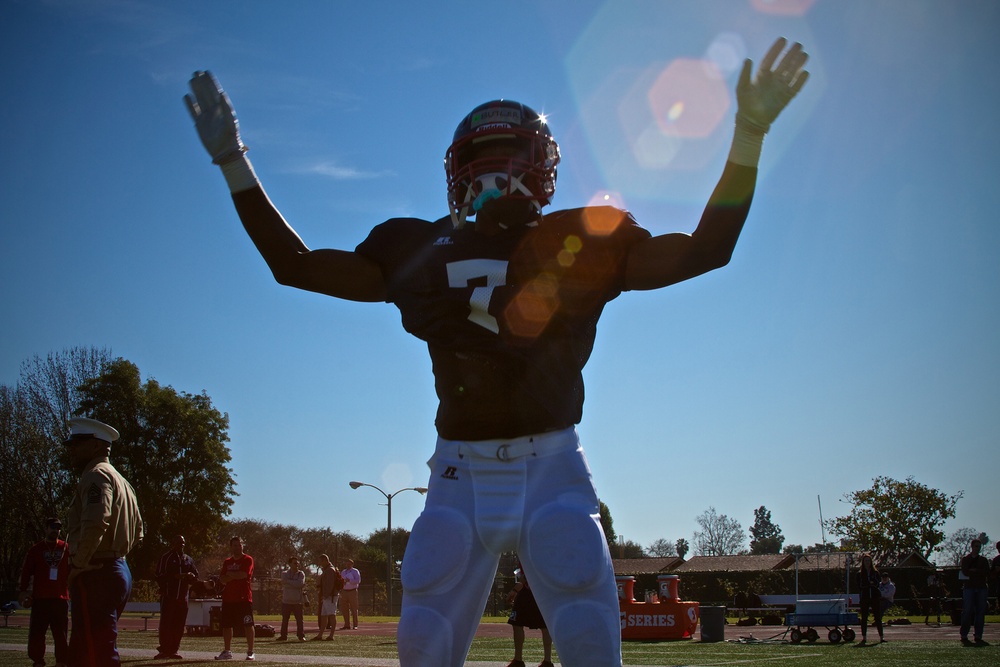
(503, 453)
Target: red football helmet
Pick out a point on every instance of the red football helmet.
(501, 149)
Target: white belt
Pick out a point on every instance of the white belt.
(514, 448)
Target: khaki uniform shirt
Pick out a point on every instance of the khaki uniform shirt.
(104, 519)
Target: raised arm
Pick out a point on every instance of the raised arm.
(671, 258)
(338, 273)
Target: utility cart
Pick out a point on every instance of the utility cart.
(830, 614)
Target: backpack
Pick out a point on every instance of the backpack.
(338, 581)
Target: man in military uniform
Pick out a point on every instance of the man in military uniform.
(104, 525)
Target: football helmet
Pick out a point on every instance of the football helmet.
(501, 149)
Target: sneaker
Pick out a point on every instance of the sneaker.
(515, 663)
(225, 655)
(251, 656)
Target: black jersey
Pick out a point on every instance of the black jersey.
(509, 319)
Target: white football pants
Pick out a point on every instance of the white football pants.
(533, 495)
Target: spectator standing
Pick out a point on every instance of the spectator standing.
(103, 526)
(329, 587)
(868, 581)
(974, 570)
(524, 613)
(995, 573)
(349, 596)
(175, 573)
(293, 583)
(936, 593)
(44, 589)
(887, 589)
(237, 598)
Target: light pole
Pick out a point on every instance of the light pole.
(388, 530)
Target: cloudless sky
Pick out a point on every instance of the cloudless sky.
(854, 334)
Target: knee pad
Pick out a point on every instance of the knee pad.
(437, 553)
(587, 633)
(424, 638)
(566, 546)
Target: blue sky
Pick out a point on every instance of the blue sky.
(853, 335)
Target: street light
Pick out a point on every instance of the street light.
(388, 525)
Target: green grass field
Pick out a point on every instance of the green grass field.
(498, 651)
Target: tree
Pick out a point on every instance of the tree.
(338, 546)
(767, 537)
(35, 482)
(719, 535)
(661, 548)
(270, 544)
(375, 548)
(682, 547)
(173, 451)
(818, 548)
(893, 518)
(627, 549)
(608, 524)
(957, 545)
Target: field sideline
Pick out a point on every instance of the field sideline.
(374, 646)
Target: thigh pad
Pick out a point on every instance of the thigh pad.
(567, 546)
(437, 554)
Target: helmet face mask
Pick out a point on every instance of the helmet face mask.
(501, 149)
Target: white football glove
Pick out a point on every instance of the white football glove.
(214, 119)
(760, 99)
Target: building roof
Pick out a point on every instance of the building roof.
(742, 563)
(833, 560)
(914, 559)
(627, 566)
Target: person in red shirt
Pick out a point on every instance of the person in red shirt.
(45, 589)
(237, 598)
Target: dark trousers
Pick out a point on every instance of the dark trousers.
(97, 599)
(973, 612)
(173, 616)
(875, 606)
(291, 610)
(48, 613)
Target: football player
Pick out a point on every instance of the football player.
(507, 297)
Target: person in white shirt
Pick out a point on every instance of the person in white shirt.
(349, 596)
(888, 591)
